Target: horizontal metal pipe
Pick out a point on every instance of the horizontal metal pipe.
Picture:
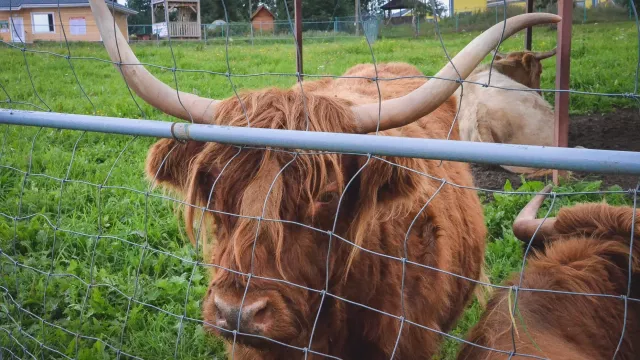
(585, 160)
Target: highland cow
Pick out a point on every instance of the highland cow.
(355, 210)
(508, 111)
(584, 250)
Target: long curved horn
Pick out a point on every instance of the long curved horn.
(425, 99)
(525, 224)
(148, 87)
(544, 55)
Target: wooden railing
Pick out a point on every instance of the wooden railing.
(184, 29)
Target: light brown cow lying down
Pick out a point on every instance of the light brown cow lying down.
(585, 250)
(520, 116)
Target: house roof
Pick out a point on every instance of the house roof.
(395, 4)
(255, 12)
(30, 4)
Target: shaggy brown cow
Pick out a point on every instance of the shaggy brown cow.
(374, 211)
(496, 115)
(586, 251)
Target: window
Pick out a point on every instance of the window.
(78, 26)
(43, 23)
(4, 26)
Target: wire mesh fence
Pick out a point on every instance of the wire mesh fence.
(97, 263)
(463, 20)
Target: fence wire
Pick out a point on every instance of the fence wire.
(94, 267)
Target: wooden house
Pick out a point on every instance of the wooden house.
(262, 20)
(39, 20)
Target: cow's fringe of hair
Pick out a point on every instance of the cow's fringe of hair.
(271, 108)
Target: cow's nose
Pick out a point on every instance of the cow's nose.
(252, 320)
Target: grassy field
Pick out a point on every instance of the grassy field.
(98, 256)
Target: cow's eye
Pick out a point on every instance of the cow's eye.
(328, 197)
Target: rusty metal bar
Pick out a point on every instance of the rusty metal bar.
(298, 30)
(528, 40)
(563, 62)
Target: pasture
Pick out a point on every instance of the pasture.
(103, 256)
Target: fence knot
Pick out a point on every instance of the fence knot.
(173, 69)
(181, 135)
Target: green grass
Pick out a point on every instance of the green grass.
(141, 242)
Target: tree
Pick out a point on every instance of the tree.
(627, 4)
(143, 7)
(421, 8)
(438, 10)
(211, 10)
(311, 9)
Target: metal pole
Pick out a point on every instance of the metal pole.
(528, 40)
(357, 16)
(545, 157)
(298, 28)
(561, 133)
(199, 20)
(166, 18)
(153, 17)
(250, 23)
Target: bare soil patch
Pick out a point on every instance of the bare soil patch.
(619, 130)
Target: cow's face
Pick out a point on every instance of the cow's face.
(524, 67)
(272, 258)
(273, 211)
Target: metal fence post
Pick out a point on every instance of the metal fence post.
(528, 40)
(298, 34)
(563, 62)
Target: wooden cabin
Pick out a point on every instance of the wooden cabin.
(180, 19)
(40, 20)
(262, 20)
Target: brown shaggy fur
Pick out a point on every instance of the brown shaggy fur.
(375, 213)
(590, 255)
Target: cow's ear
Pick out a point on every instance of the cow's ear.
(168, 162)
(528, 61)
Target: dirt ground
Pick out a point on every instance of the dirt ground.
(619, 130)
